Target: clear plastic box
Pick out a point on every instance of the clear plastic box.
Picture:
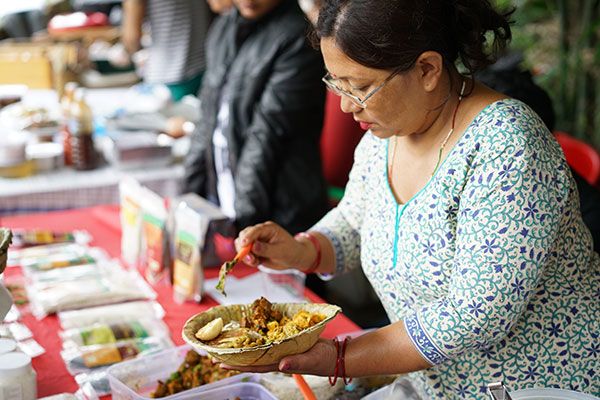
(242, 390)
(286, 283)
(136, 379)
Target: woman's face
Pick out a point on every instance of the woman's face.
(398, 108)
(255, 9)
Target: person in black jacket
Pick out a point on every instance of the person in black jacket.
(256, 150)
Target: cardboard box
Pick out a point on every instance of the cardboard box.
(37, 65)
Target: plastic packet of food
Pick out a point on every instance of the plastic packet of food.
(23, 238)
(100, 333)
(73, 256)
(96, 380)
(110, 314)
(75, 273)
(131, 195)
(190, 231)
(17, 256)
(114, 284)
(87, 358)
(155, 258)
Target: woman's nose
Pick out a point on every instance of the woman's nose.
(348, 106)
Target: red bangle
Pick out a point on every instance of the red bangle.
(333, 379)
(317, 247)
(340, 362)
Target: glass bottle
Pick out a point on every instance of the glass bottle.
(66, 102)
(81, 129)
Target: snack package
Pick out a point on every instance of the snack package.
(101, 333)
(110, 314)
(55, 256)
(190, 231)
(23, 238)
(113, 284)
(86, 358)
(131, 194)
(71, 256)
(217, 244)
(155, 258)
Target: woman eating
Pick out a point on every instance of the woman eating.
(460, 209)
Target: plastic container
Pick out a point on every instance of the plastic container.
(17, 377)
(550, 394)
(290, 281)
(136, 379)
(242, 390)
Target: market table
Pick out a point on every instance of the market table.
(102, 222)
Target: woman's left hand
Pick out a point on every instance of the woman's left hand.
(319, 360)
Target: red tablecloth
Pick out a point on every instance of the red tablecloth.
(103, 224)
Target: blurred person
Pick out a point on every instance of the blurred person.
(220, 6)
(178, 31)
(256, 152)
(178, 126)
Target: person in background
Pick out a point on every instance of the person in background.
(220, 7)
(460, 209)
(178, 31)
(256, 153)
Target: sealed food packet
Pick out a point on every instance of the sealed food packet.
(101, 333)
(113, 284)
(190, 232)
(86, 358)
(74, 255)
(155, 258)
(23, 238)
(131, 194)
(110, 314)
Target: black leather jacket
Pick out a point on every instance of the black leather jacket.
(275, 119)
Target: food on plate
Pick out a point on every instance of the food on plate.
(196, 370)
(263, 325)
(210, 330)
(260, 333)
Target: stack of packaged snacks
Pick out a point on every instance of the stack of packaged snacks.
(98, 337)
(23, 238)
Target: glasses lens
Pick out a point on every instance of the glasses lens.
(335, 89)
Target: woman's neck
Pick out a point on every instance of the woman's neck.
(439, 120)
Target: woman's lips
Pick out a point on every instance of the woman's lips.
(365, 126)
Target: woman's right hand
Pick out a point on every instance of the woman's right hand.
(274, 247)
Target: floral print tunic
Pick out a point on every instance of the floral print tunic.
(489, 266)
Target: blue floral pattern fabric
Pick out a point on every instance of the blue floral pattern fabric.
(489, 266)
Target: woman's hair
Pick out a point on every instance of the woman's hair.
(392, 34)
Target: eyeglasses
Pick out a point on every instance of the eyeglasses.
(362, 103)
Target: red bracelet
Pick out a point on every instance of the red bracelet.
(317, 247)
(333, 379)
(340, 362)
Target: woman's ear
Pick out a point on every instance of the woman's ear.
(429, 67)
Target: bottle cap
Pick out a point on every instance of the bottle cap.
(14, 364)
(7, 345)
